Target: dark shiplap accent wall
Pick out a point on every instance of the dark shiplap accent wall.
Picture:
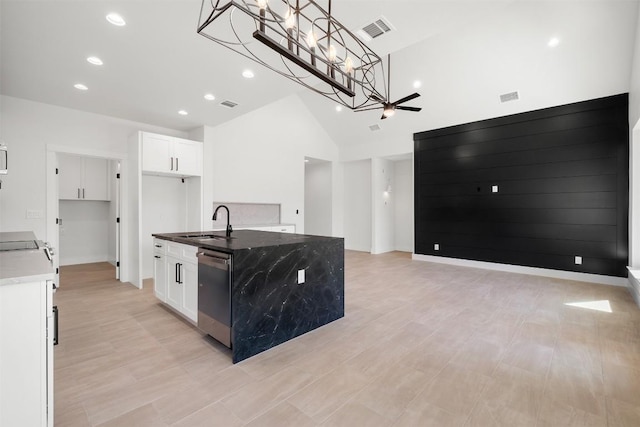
(562, 175)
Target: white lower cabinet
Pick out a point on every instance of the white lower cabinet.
(176, 272)
(160, 269)
(26, 354)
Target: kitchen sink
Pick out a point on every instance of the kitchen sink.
(205, 237)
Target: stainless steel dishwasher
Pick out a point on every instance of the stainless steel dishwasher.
(214, 294)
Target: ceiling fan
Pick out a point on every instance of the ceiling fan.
(389, 108)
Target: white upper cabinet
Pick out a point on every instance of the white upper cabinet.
(83, 178)
(167, 155)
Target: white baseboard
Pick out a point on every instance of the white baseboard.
(534, 271)
(634, 284)
(83, 259)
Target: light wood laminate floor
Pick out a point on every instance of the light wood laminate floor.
(421, 344)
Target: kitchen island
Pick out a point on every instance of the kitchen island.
(281, 285)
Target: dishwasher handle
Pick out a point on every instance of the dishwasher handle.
(220, 262)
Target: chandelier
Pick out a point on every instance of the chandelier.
(303, 42)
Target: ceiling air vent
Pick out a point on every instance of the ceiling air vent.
(229, 104)
(374, 128)
(511, 96)
(375, 29)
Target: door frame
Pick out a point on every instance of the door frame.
(53, 209)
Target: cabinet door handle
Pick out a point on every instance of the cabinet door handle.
(172, 163)
(78, 193)
(83, 193)
(157, 256)
(180, 273)
(177, 266)
(158, 246)
(177, 163)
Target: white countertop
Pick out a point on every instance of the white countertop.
(22, 266)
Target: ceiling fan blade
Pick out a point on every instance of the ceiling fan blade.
(407, 98)
(400, 107)
(367, 109)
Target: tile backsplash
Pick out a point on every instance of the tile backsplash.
(247, 214)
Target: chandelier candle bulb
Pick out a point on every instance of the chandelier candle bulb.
(332, 59)
(262, 5)
(312, 43)
(289, 23)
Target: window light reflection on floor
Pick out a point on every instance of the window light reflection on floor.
(602, 305)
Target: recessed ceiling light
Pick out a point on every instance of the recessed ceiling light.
(338, 108)
(247, 74)
(94, 60)
(417, 84)
(209, 97)
(80, 86)
(183, 112)
(116, 19)
(553, 42)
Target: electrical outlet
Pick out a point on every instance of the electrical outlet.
(300, 277)
(578, 260)
(436, 247)
(494, 188)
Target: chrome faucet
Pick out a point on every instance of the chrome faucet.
(215, 216)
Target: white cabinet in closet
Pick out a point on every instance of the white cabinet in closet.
(83, 178)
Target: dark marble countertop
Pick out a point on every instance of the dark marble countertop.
(240, 239)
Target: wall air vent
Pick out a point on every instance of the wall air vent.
(375, 29)
(229, 104)
(511, 96)
(374, 128)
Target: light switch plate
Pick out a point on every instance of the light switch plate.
(33, 213)
(578, 260)
(436, 247)
(494, 188)
(300, 277)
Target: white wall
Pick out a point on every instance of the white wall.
(84, 233)
(383, 206)
(470, 65)
(318, 196)
(27, 129)
(259, 158)
(634, 155)
(357, 206)
(163, 211)
(403, 197)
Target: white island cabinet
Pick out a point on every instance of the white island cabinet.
(26, 338)
(176, 277)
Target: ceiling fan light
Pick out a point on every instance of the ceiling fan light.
(389, 111)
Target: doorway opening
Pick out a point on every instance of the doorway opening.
(317, 197)
(84, 202)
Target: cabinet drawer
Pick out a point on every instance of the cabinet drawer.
(186, 253)
(159, 246)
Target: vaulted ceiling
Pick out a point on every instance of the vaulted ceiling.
(465, 54)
